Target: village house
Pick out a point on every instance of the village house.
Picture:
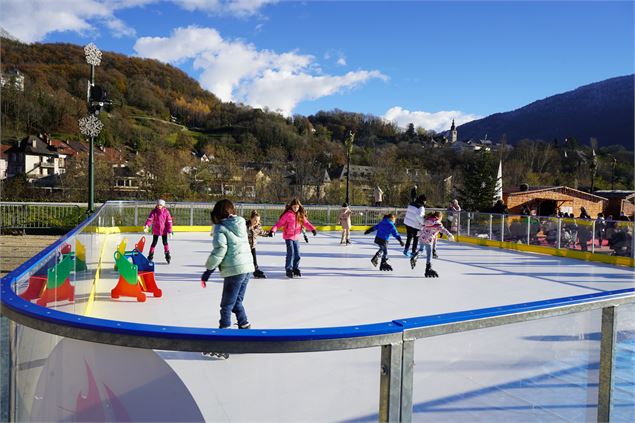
(547, 201)
(620, 203)
(35, 157)
(4, 160)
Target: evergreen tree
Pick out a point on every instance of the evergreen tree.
(479, 182)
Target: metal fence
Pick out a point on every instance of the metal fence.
(24, 216)
(605, 237)
(612, 237)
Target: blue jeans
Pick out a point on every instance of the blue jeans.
(234, 288)
(293, 255)
(428, 248)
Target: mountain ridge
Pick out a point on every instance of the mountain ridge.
(603, 110)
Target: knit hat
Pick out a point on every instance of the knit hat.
(161, 202)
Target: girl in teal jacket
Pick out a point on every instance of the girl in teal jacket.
(232, 255)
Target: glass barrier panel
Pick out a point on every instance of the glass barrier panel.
(619, 236)
(62, 379)
(547, 235)
(542, 370)
(623, 394)
(480, 226)
(516, 229)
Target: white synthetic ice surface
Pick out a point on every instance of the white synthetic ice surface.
(486, 375)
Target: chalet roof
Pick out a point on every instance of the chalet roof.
(3, 150)
(34, 146)
(563, 189)
(623, 194)
(63, 147)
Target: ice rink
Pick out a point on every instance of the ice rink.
(544, 370)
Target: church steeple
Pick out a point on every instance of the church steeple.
(453, 133)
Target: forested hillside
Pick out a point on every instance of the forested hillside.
(161, 116)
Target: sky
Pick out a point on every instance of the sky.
(425, 62)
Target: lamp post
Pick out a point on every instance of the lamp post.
(348, 142)
(90, 125)
(613, 164)
(593, 166)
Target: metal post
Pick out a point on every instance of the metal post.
(348, 174)
(390, 383)
(490, 226)
(593, 237)
(407, 368)
(607, 359)
(91, 175)
(502, 228)
(469, 220)
(192, 215)
(528, 229)
(559, 231)
(136, 215)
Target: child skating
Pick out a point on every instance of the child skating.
(161, 222)
(345, 222)
(292, 220)
(231, 254)
(385, 229)
(254, 230)
(427, 236)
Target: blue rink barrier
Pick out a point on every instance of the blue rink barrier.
(39, 334)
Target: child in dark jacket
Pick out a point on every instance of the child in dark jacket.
(384, 229)
(254, 230)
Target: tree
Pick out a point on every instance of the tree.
(479, 182)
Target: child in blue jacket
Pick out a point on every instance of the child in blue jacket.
(384, 229)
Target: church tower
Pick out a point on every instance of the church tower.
(453, 133)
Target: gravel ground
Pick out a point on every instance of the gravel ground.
(16, 249)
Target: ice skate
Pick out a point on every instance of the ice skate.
(348, 241)
(168, 257)
(434, 254)
(413, 260)
(151, 256)
(375, 258)
(221, 355)
(429, 272)
(407, 253)
(297, 273)
(259, 274)
(385, 266)
(245, 326)
(290, 274)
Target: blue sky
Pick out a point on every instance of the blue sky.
(416, 61)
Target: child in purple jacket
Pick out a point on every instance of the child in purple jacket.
(161, 222)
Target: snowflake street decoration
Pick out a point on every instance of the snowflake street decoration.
(90, 126)
(93, 54)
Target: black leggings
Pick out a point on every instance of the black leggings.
(253, 254)
(155, 239)
(411, 234)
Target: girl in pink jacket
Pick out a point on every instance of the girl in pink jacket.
(427, 236)
(291, 221)
(161, 222)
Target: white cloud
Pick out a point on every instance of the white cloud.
(33, 20)
(238, 71)
(437, 121)
(341, 61)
